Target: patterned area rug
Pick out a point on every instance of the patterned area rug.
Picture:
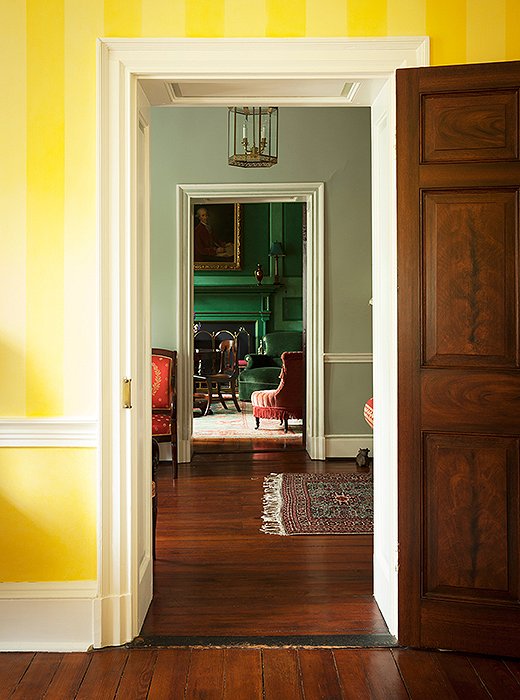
(318, 504)
(232, 424)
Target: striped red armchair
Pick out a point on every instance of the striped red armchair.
(287, 400)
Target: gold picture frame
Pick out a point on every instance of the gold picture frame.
(217, 237)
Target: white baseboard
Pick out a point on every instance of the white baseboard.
(47, 616)
(347, 445)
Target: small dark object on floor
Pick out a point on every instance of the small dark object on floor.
(362, 458)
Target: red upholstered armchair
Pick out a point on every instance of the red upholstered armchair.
(164, 399)
(287, 400)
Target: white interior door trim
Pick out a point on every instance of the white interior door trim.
(121, 62)
(312, 194)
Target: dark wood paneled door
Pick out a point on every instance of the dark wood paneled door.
(459, 357)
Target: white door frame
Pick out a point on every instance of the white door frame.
(312, 194)
(121, 62)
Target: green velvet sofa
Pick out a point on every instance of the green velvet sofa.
(263, 371)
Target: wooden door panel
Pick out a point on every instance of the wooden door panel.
(471, 401)
(474, 627)
(470, 280)
(471, 517)
(469, 126)
(458, 175)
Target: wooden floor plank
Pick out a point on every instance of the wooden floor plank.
(497, 678)
(12, 668)
(351, 673)
(281, 674)
(170, 674)
(235, 673)
(365, 673)
(422, 677)
(103, 675)
(242, 674)
(205, 675)
(38, 676)
(137, 675)
(69, 676)
(514, 667)
(462, 676)
(319, 677)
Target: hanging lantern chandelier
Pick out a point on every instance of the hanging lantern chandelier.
(253, 137)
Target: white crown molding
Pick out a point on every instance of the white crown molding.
(346, 446)
(374, 54)
(347, 357)
(48, 432)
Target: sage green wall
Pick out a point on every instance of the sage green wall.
(330, 145)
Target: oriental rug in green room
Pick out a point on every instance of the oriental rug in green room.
(318, 504)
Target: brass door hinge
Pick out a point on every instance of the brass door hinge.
(127, 392)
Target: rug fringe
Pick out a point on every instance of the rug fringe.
(272, 501)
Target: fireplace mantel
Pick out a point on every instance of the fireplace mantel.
(235, 302)
(236, 289)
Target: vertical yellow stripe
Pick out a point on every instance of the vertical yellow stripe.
(486, 30)
(13, 206)
(406, 17)
(245, 18)
(446, 27)
(45, 145)
(285, 18)
(367, 18)
(122, 18)
(205, 18)
(331, 21)
(83, 23)
(512, 30)
(163, 17)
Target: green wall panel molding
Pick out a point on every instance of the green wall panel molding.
(292, 309)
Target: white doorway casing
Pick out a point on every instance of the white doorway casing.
(121, 63)
(312, 194)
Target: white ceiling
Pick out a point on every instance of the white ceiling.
(273, 92)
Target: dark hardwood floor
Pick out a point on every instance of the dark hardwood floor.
(258, 674)
(244, 445)
(217, 575)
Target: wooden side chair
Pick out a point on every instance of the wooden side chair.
(287, 400)
(225, 377)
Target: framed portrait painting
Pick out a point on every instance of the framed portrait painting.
(217, 237)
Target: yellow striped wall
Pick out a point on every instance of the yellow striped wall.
(48, 325)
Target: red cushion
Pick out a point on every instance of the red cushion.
(161, 424)
(266, 398)
(368, 412)
(161, 384)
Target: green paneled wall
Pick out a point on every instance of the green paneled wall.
(262, 224)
